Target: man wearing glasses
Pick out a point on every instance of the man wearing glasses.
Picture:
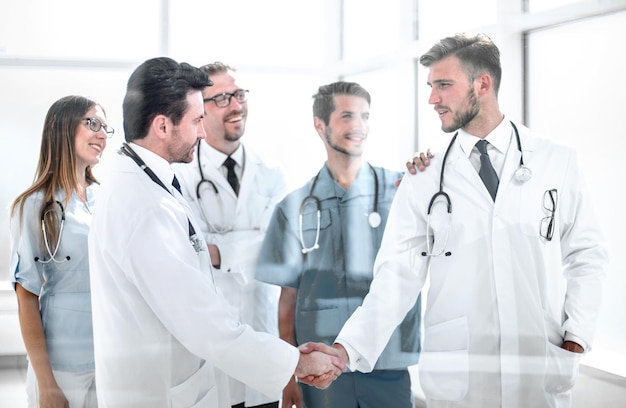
(514, 256)
(234, 206)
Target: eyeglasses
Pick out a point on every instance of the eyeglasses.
(550, 200)
(96, 124)
(223, 100)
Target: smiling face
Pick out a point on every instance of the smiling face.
(347, 127)
(453, 96)
(88, 144)
(224, 126)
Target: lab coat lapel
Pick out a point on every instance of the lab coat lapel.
(459, 163)
(512, 160)
(248, 178)
(212, 173)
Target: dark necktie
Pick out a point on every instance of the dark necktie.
(176, 185)
(231, 176)
(486, 172)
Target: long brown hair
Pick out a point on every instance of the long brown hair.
(57, 159)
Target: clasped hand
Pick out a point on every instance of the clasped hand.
(319, 364)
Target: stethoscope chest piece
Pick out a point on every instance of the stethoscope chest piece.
(523, 174)
(374, 219)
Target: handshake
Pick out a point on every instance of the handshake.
(319, 365)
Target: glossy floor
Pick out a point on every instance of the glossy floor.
(594, 388)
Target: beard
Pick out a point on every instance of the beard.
(235, 134)
(178, 151)
(336, 147)
(461, 119)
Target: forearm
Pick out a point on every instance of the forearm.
(286, 315)
(33, 335)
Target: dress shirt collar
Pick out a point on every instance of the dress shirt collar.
(499, 138)
(217, 158)
(159, 165)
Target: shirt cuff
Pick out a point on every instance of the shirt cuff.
(355, 359)
(570, 337)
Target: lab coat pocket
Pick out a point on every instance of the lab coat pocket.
(444, 362)
(260, 212)
(561, 369)
(536, 209)
(197, 391)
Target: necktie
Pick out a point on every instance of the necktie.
(231, 176)
(176, 185)
(487, 173)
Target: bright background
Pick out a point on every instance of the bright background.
(563, 64)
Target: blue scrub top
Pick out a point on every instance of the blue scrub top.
(333, 280)
(63, 288)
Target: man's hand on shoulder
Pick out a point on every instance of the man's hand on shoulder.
(419, 162)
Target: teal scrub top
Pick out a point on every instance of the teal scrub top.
(63, 287)
(333, 279)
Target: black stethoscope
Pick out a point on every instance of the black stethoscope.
(522, 174)
(128, 151)
(373, 217)
(218, 197)
(48, 208)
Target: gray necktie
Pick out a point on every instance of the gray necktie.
(486, 172)
(231, 176)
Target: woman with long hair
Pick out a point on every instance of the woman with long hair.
(49, 261)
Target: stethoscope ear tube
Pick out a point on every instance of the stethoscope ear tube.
(522, 174)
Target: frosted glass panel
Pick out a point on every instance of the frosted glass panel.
(374, 27)
(280, 122)
(536, 6)
(576, 94)
(392, 118)
(78, 29)
(444, 18)
(266, 33)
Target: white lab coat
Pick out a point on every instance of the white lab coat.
(498, 307)
(261, 187)
(160, 324)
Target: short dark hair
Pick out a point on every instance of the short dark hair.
(324, 102)
(159, 86)
(477, 53)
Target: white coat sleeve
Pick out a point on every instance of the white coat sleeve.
(399, 275)
(584, 253)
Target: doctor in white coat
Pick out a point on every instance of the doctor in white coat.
(161, 326)
(233, 223)
(515, 279)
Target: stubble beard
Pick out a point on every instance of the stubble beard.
(338, 148)
(463, 118)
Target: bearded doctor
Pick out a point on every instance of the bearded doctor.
(506, 235)
(161, 326)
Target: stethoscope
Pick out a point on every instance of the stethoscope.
(218, 196)
(373, 217)
(128, 151)
(522, 174)
(52, 253)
